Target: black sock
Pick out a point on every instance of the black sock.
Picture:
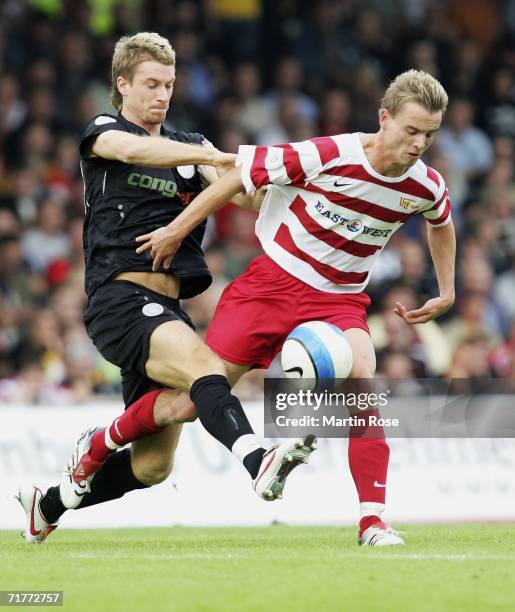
(252, 462)
(114, 480)
(51, 506)
(222, 415)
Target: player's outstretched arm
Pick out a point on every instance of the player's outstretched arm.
(442, 245)
(164, 242)
(250, 201)
(156, 152)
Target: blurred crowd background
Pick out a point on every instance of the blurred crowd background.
(264, 72)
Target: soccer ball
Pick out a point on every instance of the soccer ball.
(316, 352)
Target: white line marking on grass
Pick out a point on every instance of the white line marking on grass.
(366, 554)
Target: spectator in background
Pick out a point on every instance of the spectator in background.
(48, 241)
(289, 82)
(504, 288)
(502, 357)
(315, 59)
(336, 113)
(466, 144)
(12, 108)
(470, 366)
(425, 344)
(254, 113)
(499, 114)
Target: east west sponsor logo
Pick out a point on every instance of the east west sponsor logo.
(353, 225)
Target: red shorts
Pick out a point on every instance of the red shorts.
(261, 307)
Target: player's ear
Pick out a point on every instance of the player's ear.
(122, 84)
(384, 116)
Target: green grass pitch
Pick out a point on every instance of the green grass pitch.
(279, 568)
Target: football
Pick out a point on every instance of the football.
(316, 352)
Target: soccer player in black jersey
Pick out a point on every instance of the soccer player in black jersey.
(138, 177)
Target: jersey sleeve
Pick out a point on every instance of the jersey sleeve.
(439, 214)
(98, 125)
(284, 164)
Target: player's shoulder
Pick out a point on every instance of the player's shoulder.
(103, 123)
(430, 178)
(186, 137)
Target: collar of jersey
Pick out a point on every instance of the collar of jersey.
(141, 130)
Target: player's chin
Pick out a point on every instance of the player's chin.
(157, 115)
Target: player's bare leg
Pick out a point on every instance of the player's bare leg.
(196, 368)
(152, 457)
(369, 453)
(147, 462)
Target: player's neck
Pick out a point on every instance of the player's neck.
(152, 128)
(380, 157)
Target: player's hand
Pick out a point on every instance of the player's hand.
(430, 310)
(162, 243)
(224, 161)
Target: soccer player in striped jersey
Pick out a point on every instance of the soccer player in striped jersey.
(331, 207)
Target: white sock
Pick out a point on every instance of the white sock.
(371, 509)
(245, 445)
(108, 442)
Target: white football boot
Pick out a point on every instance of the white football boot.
(79, 472)
(37, 528)
(278, 462)
(380, 534)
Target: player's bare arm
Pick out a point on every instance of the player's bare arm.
(442, 245)
(156, 152)
(164, 242)
(250, 201)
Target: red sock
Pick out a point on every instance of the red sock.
(368, 460)
(135, 423)
(368, 521)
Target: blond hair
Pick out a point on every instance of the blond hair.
(130, 51)
(415, 86)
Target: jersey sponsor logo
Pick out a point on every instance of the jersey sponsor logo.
(152, 183)
(103, 120)
(153, 309)
(408, 204)
(354, 225)
(351, 224)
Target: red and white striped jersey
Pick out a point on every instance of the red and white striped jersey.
(327, 214)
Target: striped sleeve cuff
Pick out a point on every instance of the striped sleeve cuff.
(244, 160)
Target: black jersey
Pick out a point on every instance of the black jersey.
(123, 201)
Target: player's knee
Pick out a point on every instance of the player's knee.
(362, 369)
(153, 473)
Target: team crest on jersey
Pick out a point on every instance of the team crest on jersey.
(408, 204)
(354, 225)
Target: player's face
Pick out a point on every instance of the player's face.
(148, 96)
(410, 132)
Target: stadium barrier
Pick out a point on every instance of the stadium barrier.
(429, 479)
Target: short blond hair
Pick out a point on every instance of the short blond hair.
(415, 86)
(130, 51)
